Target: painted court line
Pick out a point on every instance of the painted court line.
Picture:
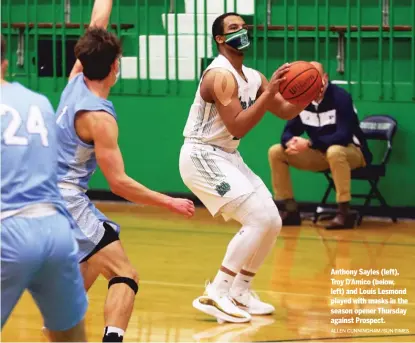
(272, 293)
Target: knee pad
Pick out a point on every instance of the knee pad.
(255, 212)
(276, 221)
(129, 282)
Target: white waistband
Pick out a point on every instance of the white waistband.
(31, 211)
(196, 141)
(67, 185)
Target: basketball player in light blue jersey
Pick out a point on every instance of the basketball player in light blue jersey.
(88, 135)
(38, 248)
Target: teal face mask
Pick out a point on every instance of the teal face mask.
(238, 40)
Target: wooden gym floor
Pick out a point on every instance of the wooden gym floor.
(174, 257)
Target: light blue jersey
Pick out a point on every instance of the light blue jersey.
(28, 149)
(77, 162)
(37, 236)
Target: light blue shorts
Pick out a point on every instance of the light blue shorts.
(40, 255)
(89, 219)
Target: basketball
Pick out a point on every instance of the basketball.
(302, 83)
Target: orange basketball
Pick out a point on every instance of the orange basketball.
(302, 83)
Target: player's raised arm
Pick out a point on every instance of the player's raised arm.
(219, 86)
(104, 132)
(101, 13)
(100, 17)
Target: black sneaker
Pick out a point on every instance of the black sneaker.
(290, 218)
(342, 221)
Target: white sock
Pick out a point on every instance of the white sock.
(113, 329)
(241, 284)
(223, 281)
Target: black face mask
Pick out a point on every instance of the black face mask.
(238, 40)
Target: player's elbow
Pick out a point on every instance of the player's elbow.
(237, 131)
(117, 185)
(239, 134)
(289, 111)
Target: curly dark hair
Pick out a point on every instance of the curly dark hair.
(97, 50)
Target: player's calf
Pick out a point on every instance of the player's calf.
(119, 305)
(241, 288)
(112, 262)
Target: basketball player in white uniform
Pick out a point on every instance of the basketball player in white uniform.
(230, 101)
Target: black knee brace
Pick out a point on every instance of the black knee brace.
(129, 282)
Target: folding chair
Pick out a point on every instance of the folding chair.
(374, 127)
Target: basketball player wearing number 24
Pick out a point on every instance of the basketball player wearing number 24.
(230, 101)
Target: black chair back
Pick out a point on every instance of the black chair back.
(380, 127)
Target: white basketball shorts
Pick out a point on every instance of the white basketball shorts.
(217, 177)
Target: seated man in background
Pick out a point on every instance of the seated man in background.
(335, 141)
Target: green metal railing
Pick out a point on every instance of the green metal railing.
(358, 48)
(311, 30)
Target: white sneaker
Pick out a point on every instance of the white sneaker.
(250, 302)
(220, 305)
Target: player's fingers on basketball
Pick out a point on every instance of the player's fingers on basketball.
(283, 69)
(276, 77)
(275, 81)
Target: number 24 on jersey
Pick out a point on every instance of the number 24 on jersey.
(34, 125)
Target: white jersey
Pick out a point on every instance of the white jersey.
(204, 124)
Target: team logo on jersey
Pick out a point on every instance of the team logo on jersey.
(223, 188)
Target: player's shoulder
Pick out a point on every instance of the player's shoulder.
(100, 117)
(217, 71)
(101, 124)
(32, 97)
(217, 81)
(82, 100)
(74, 77)
(75, 82)
(218, 76)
